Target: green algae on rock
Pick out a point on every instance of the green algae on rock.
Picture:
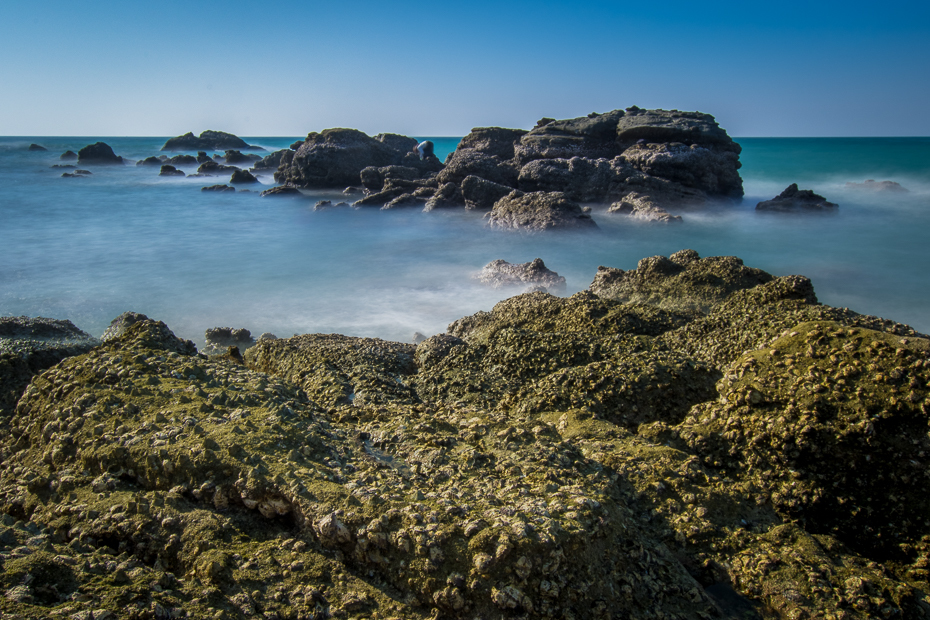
(708, 443)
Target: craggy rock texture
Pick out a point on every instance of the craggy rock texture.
(208, 141)
(242, 177)
(30, 345)
(744, 453)
(537, 211)
(644, 208)
(794, 199)
(500, 273)
(217, 340)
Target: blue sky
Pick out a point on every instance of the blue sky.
(435, 68)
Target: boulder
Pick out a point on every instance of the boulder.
(593, 137)
(482, 194)
(30, 345)
(36, 147)
(582, 179)
(273, 160)
(152, 161)
(373, 178)
(872, 185)
(203, 158)
(537, 211)
(208, 141)
(794, 199)
(672, 126)
(170, 171)
(465, 162)
(211, 168)
(98, 153)
(183, 160)
(68, 156)
(447, 196)
(641, 207)
(682, 282)
(500, 274)
(219, 339)
(233, 156)
(283, 190)
(242, 177)
(714, 171)
(496, 141)
(217, 188)
(120, 324)
(336, 157)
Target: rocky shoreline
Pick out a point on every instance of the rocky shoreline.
(694, 438)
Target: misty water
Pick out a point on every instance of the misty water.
(88, 249)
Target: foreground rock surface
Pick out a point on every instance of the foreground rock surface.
(596, 456)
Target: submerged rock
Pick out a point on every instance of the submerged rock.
(68, 156)
(36, 147)
(218, 188)
(794, 199)
(283, 190)
(170, 171)
(878, 186)
(500, 273)
(242, 177)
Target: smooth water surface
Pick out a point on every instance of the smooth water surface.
(88, 249)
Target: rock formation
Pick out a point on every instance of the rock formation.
(98, 153)
(500, 273)
(208, 141)
(170, 171)
(738, 450)
(794, 199)
(36, 147)
(68, 156)
(242, 177)
(878, 186)
(537, 211)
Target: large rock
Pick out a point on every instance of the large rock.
(98, 153)
(593, 137)
(212, 168)
(335, 158)
(273, 160)
(683, 282)
(537, 211)
(170, 171)
(448, 196)
(496, 141)
(582, 179)
(481, 194)
(794, 199)
(68, 156)
(30, 345)
(500, 273)
(183, 160)
(465, 162)
(242, 177)
(696, 166)
(233, 156)
(208, 141)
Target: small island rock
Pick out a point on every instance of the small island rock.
(794, 199)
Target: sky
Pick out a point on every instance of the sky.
(439, 68)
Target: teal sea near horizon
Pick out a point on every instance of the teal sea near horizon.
(88, 249)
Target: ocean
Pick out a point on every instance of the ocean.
(88, 249)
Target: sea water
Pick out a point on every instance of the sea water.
(124, 238)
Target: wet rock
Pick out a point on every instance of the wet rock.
(30, 345)
(465, 162)
(642, 207)
(701, 167)
(203, 158)
(273, 160)
(183, 160)
(242, 177)
(68, 156)
(211, 168)
(218, 188)
(537, 211)
(683, 282)
(152, 161)
(500, 273)
(219, 339)
(482, 194)
(448, 196)
(336, 157)
(282, 191)
(233, 156)
(36, 147)
(170, 171)
(872, 185)
(207, 141)
(98, 153)
(794, 199)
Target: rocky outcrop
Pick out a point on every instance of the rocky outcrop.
(500, 273)
(553, 457)
(538, 211)
(336, 157)
(30, 345)
(170, 171)
(242, 177)
(273, 160)
(218, 188)
(697, 166)
(683, 282)
(448, 196)
(98, 153)
(208, 141)
(36, 147)
(183, 160)
(480, 193)
(282, 191)
(121, 324)
(872, 185)
(794, 199)
(152, 161)
(211, 168)
(219, 339)
(68, 156)
(495, 141)
(233, 156)
(644, 208)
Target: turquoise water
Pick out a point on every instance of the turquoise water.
(126, 239)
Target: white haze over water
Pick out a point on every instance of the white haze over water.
(88, 249)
